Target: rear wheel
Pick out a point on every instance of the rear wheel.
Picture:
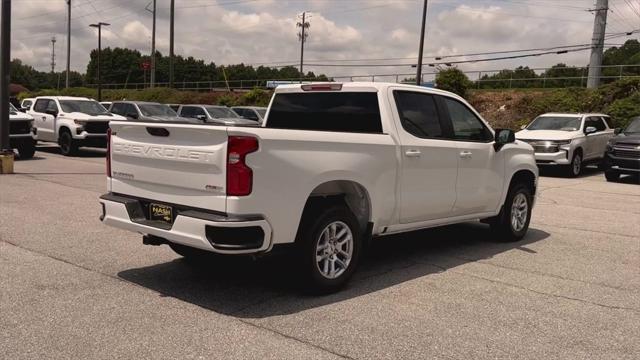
(27, 149)
(612, 175)
(328, 248)
(575, 168)
(513, 221)
(68, 146)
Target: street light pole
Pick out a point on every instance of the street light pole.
(5, 46)
(420, 51)
(99, 26)
(171, 41)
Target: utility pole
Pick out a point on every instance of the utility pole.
(597, 43)
(53, 54)
(152, 78)
(302, 36)
(99, 26)
(6, 152)
(171, 40)
(68, 43)
(421, 49)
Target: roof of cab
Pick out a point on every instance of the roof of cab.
(63, 98)
(572, 114)
(364, 87)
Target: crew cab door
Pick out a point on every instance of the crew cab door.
(44, 114)
(596, 142)
(481, 172)
(429, 161)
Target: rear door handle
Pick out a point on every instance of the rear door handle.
(412, 153)
(466, 154)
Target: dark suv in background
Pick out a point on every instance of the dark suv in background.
(623, 152)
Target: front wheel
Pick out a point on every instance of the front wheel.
(513, 221)
(68, 146)
(575, 168)
(329, 245)
(27, 149)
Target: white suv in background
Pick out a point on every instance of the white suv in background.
(71, 122)
(569, 140)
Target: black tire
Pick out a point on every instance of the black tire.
(68, 146)
(502, 224)
(27, 149)
(612, 175)
(314, 223)
(575, 168)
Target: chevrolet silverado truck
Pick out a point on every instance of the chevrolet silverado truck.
(332, 166)
(623, 152)
(568, 140)
(22, 134)
(72, 122)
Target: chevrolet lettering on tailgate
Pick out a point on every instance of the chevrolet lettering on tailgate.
(163, 152)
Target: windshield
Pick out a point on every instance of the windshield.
(221, 112)
(262, 112)
(633, 127)
(156, 110)
(89, 107)
(564, 123)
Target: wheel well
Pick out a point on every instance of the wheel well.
(63, 129)
(578, 150)
(349, 193)
(525, 177)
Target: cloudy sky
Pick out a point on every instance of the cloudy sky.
(264, 31)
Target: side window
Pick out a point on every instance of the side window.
(251, 115)
(466, 125)
(198, 111)
(418, 114)
(596, 122)
(607, 120)
(187, 111)
(41, 105)
(117, 108)
(130, 109)
(239, 111)
(52, 106)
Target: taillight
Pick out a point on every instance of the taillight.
(109, 152)
(239, 175)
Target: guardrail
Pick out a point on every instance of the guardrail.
(480, 78)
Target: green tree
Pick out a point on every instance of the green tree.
(454, 80)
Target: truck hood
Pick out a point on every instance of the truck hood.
(622, 138)
(99, 117)
(19, 116)
(547, 135)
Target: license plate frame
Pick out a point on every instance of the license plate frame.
(161, 212)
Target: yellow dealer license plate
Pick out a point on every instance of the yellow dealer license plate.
(160, 212)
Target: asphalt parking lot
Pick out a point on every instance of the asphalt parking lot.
(73, 288)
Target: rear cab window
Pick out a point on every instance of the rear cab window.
(342, 111)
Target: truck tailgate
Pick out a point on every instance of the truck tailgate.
(181, 164)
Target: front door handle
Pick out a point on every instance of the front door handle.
(466, 154)
(412, 153)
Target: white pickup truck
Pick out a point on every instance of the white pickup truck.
(72, 122)
(333, 165)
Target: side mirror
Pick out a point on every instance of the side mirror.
(51, 112)
(503, 137)
(132, 115)
(522, 127)
(590, 130)
(617, 131)
(201, 117)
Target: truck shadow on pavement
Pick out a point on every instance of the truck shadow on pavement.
(266, 287)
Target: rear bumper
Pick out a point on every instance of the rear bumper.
(215, 232)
